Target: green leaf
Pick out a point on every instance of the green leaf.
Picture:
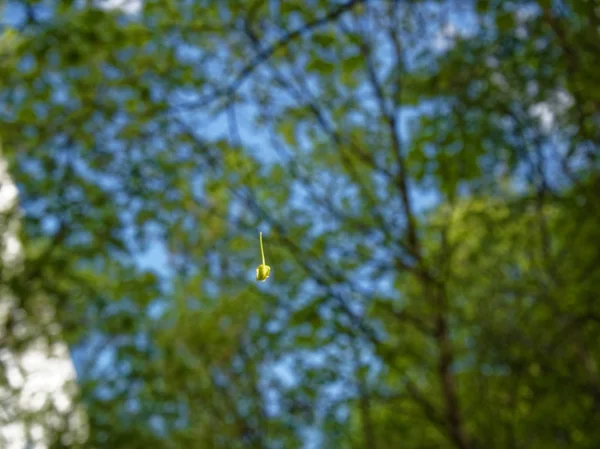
(352, 63)
(287, 129)
(320, 66)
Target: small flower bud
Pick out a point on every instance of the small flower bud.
(263, 270)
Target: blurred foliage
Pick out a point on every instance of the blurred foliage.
(426, 176)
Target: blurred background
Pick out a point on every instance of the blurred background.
(425, 174)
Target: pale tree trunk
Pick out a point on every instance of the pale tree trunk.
(41, 373)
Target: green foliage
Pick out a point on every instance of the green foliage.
(427, 187)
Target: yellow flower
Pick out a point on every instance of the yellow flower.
(263, 270)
